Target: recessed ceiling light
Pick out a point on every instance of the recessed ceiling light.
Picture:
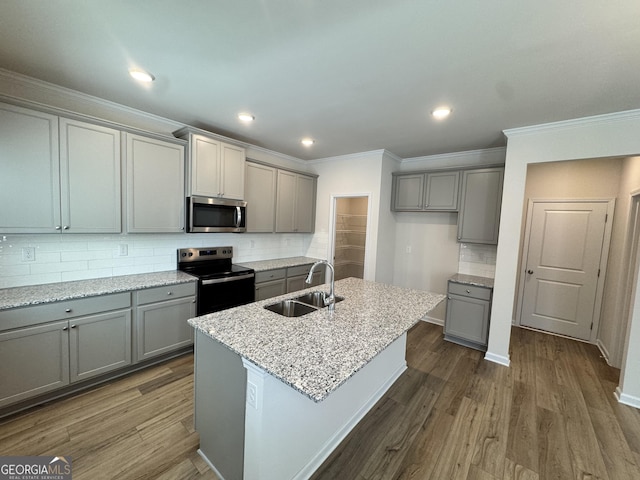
(441, 112)
(246, 117)
(307, 142)
(141, 75)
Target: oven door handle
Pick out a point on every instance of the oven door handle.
(227, 279)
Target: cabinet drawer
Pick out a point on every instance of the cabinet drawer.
(470, 291)
(37, 314)
(269, 275)
(299, 270)
(167, 292)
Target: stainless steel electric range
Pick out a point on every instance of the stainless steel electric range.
(221, 284)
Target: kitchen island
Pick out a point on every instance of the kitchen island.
(275, 395)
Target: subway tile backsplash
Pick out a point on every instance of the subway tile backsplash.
(476, 259)
(62, 257)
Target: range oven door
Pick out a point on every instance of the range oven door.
(221, 293)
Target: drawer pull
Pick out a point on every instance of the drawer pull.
(64, 329)
(73, 326)
(67, 310)
(468, 291)
(169, 293)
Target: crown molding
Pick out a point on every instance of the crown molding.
(475, 154)
(349, 156)
(574, 123)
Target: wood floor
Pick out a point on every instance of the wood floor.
(451, 415)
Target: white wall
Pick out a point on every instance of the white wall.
(613, 135)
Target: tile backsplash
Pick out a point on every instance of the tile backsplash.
(476, 259)
(36, 259)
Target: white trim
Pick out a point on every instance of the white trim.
(341, 434)
(625, 399)
(435, 321)
(209, 464)
(485, 152)
(574, 123)
(603, 351)
(499, 359)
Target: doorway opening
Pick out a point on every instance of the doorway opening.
(350, 236)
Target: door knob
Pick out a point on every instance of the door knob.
(530, 272)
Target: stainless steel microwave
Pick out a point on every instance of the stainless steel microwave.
(209, 215)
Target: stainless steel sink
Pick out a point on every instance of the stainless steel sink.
(291, 308)
(315, 298)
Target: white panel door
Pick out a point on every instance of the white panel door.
(562, 266)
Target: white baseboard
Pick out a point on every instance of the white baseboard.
(341, 434)
(435, 321)
(500, 359)
(603, 351)
(625, 399)
(211, 466)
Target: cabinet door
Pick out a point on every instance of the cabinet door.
(205, 166)
(99, 344)
(232, 171)
(270, 289)
(285, 202)
(33, 361)
(296, 283)
(409, 192)
(29, 162)
(155, 185)
(162, 327)
(304, 204)
(90, 178)
(479, 216)
(442, 191)
(467, 319)
(260, 194)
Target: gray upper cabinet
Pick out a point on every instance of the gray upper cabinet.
(481, 198)
(90, 178)
(429, 191)
(295, 202)
(68, 170)
(214, 168)
(260, 194)
(155, 185)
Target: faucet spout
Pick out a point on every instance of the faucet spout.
(329, 301)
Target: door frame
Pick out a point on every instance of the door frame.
(604, 257)
(369, 270)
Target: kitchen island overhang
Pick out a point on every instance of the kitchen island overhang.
(275, 395)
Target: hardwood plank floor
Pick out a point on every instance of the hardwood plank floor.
(450, 415)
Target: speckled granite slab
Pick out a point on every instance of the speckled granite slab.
(472, 280)
(54, 292)
(262, 265)
(319, 351)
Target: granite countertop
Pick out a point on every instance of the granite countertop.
(318, 352)
(262, 265)
(472, 280)
(55, 292)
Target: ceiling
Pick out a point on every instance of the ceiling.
(355, 75)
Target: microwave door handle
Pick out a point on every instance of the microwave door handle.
(238, 217)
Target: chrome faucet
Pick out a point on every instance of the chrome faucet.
(329, 301)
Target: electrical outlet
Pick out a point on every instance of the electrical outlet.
(252, 395)
(407, 249)
(28, 254)
(253, 243)
(124, 250)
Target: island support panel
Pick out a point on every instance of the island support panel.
(286, 434)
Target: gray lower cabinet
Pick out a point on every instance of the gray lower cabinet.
(161, 319)
(271, 283)
(47, 347)
(467, 318)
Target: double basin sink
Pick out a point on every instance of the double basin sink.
(298, 306)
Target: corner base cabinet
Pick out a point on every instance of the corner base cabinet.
(467, 318)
